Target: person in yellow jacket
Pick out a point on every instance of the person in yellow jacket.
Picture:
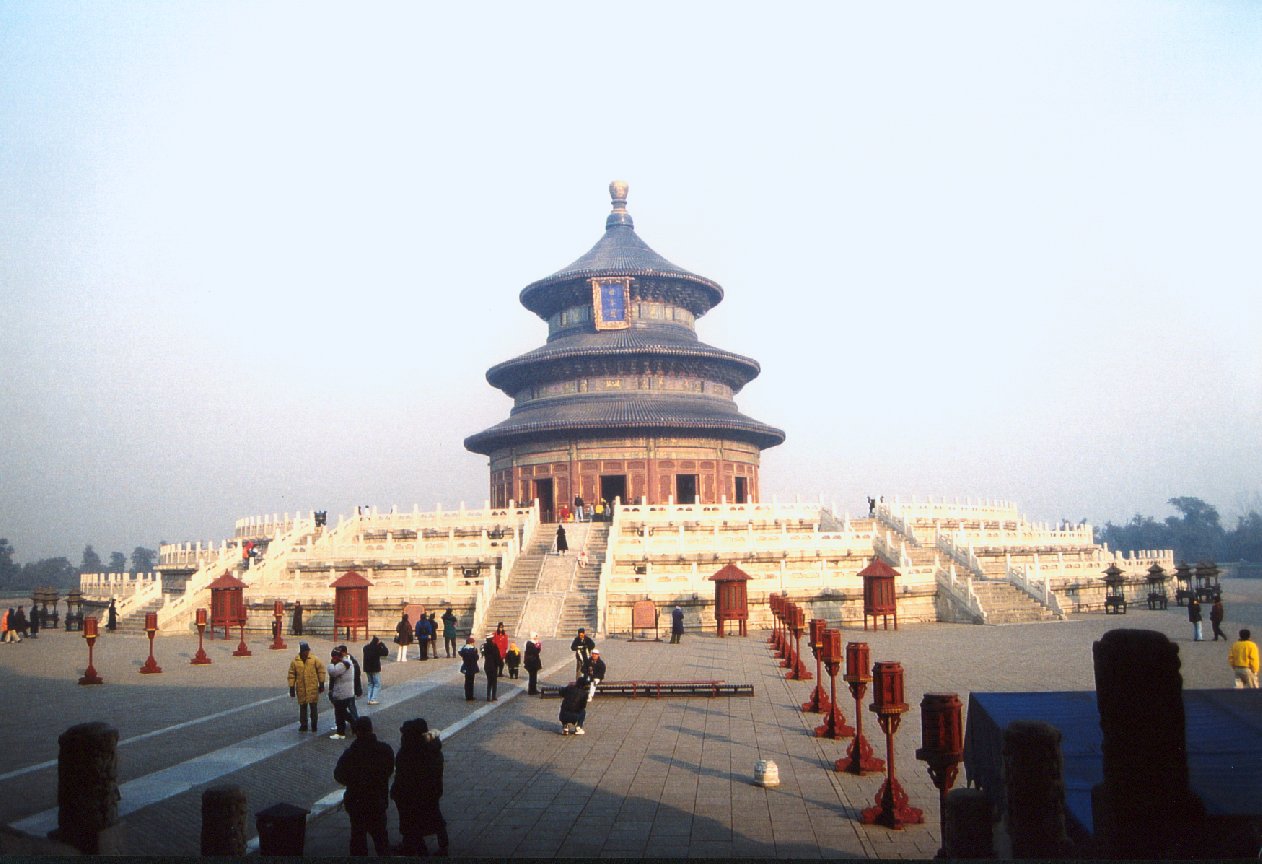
(1243, 658)
(306, 683)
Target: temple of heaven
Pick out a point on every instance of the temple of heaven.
(623, 402)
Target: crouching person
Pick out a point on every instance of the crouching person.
(418, 786)
(574, 706)
(364, 768)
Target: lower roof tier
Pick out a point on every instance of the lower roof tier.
(598, 415)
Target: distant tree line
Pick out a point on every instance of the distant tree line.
(60, 572)
(1195, 534)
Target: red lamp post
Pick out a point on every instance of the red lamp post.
(859, 759)
(242, 649)
(942, 747)
(278, 612)
(797, 669)
(200, 658)
(834, 721)
(773, 603)
(151, 627)
(818, 702)
(786, 614)
(891, 808)
(90, 633)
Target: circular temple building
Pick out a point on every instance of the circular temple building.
(623, 402)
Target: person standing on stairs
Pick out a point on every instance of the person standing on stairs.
(563, 545)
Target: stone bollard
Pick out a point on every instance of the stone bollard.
(1035, 783)
(223, 821)
(87, 789)
(1145, 807)
(970, 827)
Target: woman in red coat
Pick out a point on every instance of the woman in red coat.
(501, 642)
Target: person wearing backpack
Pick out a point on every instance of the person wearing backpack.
(374, 651)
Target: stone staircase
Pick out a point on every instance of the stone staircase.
(510, 600)
(1007, 604)
(134, 621)
(579, 607)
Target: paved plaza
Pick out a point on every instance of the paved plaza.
(652, 777)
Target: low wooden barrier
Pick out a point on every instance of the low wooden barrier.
(657, 689)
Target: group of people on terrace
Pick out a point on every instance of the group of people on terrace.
(425, 635)
(15, 626)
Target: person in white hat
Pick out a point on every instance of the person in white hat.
(596, 672)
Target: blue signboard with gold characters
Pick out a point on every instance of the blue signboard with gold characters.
(611, 300)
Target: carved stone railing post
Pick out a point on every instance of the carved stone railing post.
(1035, 784)
(223, 821)
(87, 789)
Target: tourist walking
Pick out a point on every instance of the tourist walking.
(1216, 619)
(676, 625)
(563, 545)
(418, 786)
(578, 508)
(449, 632)
(533, 663)
(501, 642)
(581, 646)
(295, 625)
(374, 651)
(10, 634)
(1194, 615)
(341, 691)
(306, 683)
(403, 637)
(1243, 658)
(364, 768)
(512, 660)
(573, 707)
(21, 624)
(491, 663)
(469, 667)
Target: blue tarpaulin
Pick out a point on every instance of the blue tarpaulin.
(1224, 746)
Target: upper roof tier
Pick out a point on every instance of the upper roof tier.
(620, 252)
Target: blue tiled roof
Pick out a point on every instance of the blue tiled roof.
(615, 414)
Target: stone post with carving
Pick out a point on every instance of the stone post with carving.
(87, 788)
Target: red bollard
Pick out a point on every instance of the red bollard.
(278, 612)
(90, 634)
(151, 627)
(200, 658)
(859, 759)
(891, 808)
(834, 725)
(819, 701)
(797, 669)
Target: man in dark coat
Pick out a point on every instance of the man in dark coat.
(418, 786)
(469, 666)
(422, 635)
(595, 672)
(111, 618)
(491, 661)
(449, 632)
(295, 626)
(574, 707)
(1194, 615)
(373, 652)
(581, 646)
(364, 768)
(563, 545)
(676, 625)
(1215, 619)
(533, 662)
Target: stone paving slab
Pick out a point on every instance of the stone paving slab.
(669, 777)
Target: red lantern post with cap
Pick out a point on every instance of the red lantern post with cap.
(90, 633)
(731, 599)
(151, 628)
(819, 701)
(834, 725)
(200, 658)
(278, 614)
(859, 759)
(891, 808)
(773, 603)
(227, 604)
(941, 747)
(879, 597)
(797, 669)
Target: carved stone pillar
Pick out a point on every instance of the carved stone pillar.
(1035, 784)
(223, 821)
(87, 788)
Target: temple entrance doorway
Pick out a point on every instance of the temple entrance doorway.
(613, 487)
(543, 492)
(742, 490)
(685, 488)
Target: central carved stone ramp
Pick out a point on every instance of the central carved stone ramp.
(543, 589)
(1007, 604)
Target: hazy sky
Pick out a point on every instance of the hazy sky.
(257, 257)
